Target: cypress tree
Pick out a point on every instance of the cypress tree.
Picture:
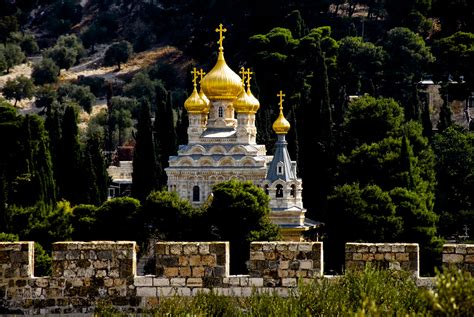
(406, 154)
(445, 116)
(144, 176)
(69, 158)
(182, 128)
(95, 172)
(426, 120)
(317, 144)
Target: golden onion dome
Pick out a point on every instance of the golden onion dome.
(243, 103)
(254, 101)
(194, 103)
(221, 83)
(281, 125)
(206, 100)
(201, 73)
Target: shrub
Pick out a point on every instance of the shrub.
(46, 72)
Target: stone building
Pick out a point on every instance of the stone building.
(222, 146)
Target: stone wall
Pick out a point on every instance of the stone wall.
(88, 274)
(16, 259)
(399, 256)
(460, 256)
(282, 263)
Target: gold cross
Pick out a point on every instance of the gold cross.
(201, 74)
(221, 30)
(242, 73)
(195, 76)
(248, 73)
(281, 95)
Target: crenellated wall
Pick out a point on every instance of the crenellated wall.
(460, 256)
(86, 274)
(404, 256)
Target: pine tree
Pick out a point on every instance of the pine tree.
(144, 177)
(69, 158)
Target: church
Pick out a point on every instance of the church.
(222, 146)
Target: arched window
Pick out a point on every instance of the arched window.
(280, 168)
(196, 193)
(293, 190)
(279, 191)
(220, 112)
(265, 188)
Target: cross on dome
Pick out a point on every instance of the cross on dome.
(221, 30)
(195, 76)
(281, 95)
(201, 74)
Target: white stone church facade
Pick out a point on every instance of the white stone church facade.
(222, 146)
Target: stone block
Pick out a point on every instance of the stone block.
(183, 291)
(398, 248)
(402, 257)
(257, 255)
(143, 281)
(256, 281)
(171, 271)
(178, 281)
(453, 258)
(469, 258)
(208, 260)
(461, 249)
(166, 291)
(184, 271)
(356, 256)
(305, 247)
(194, 282)
(306, 265)
(368, 257)
(289, 282)
(157, 281)
(190, 248)
(384, 248)
(195, 260)
(197, 271)
(203, 248)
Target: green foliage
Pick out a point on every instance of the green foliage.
(95, 175)
(45, 96)
(8, 237)
(453, 294)
(454, 149)
(368, 293)
(142, 88)
(43, 261)
(8, 24)
(168, 217)
(239, 213)
(82, 95)
(145, 165)
(370, 120)
(46, 72)
(67, 51)
(116, 219)
(83, 221)
(387, 165)
(26, 41)
(19, 88)
(118, 54)
(69, 166)
(360, 65)
(63, 15)
(96, 84)
(12, 54)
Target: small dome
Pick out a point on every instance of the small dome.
(221, 83)
(281, 125)
(243, 103)
(253, 100)
(194, 103)
(206, 100)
